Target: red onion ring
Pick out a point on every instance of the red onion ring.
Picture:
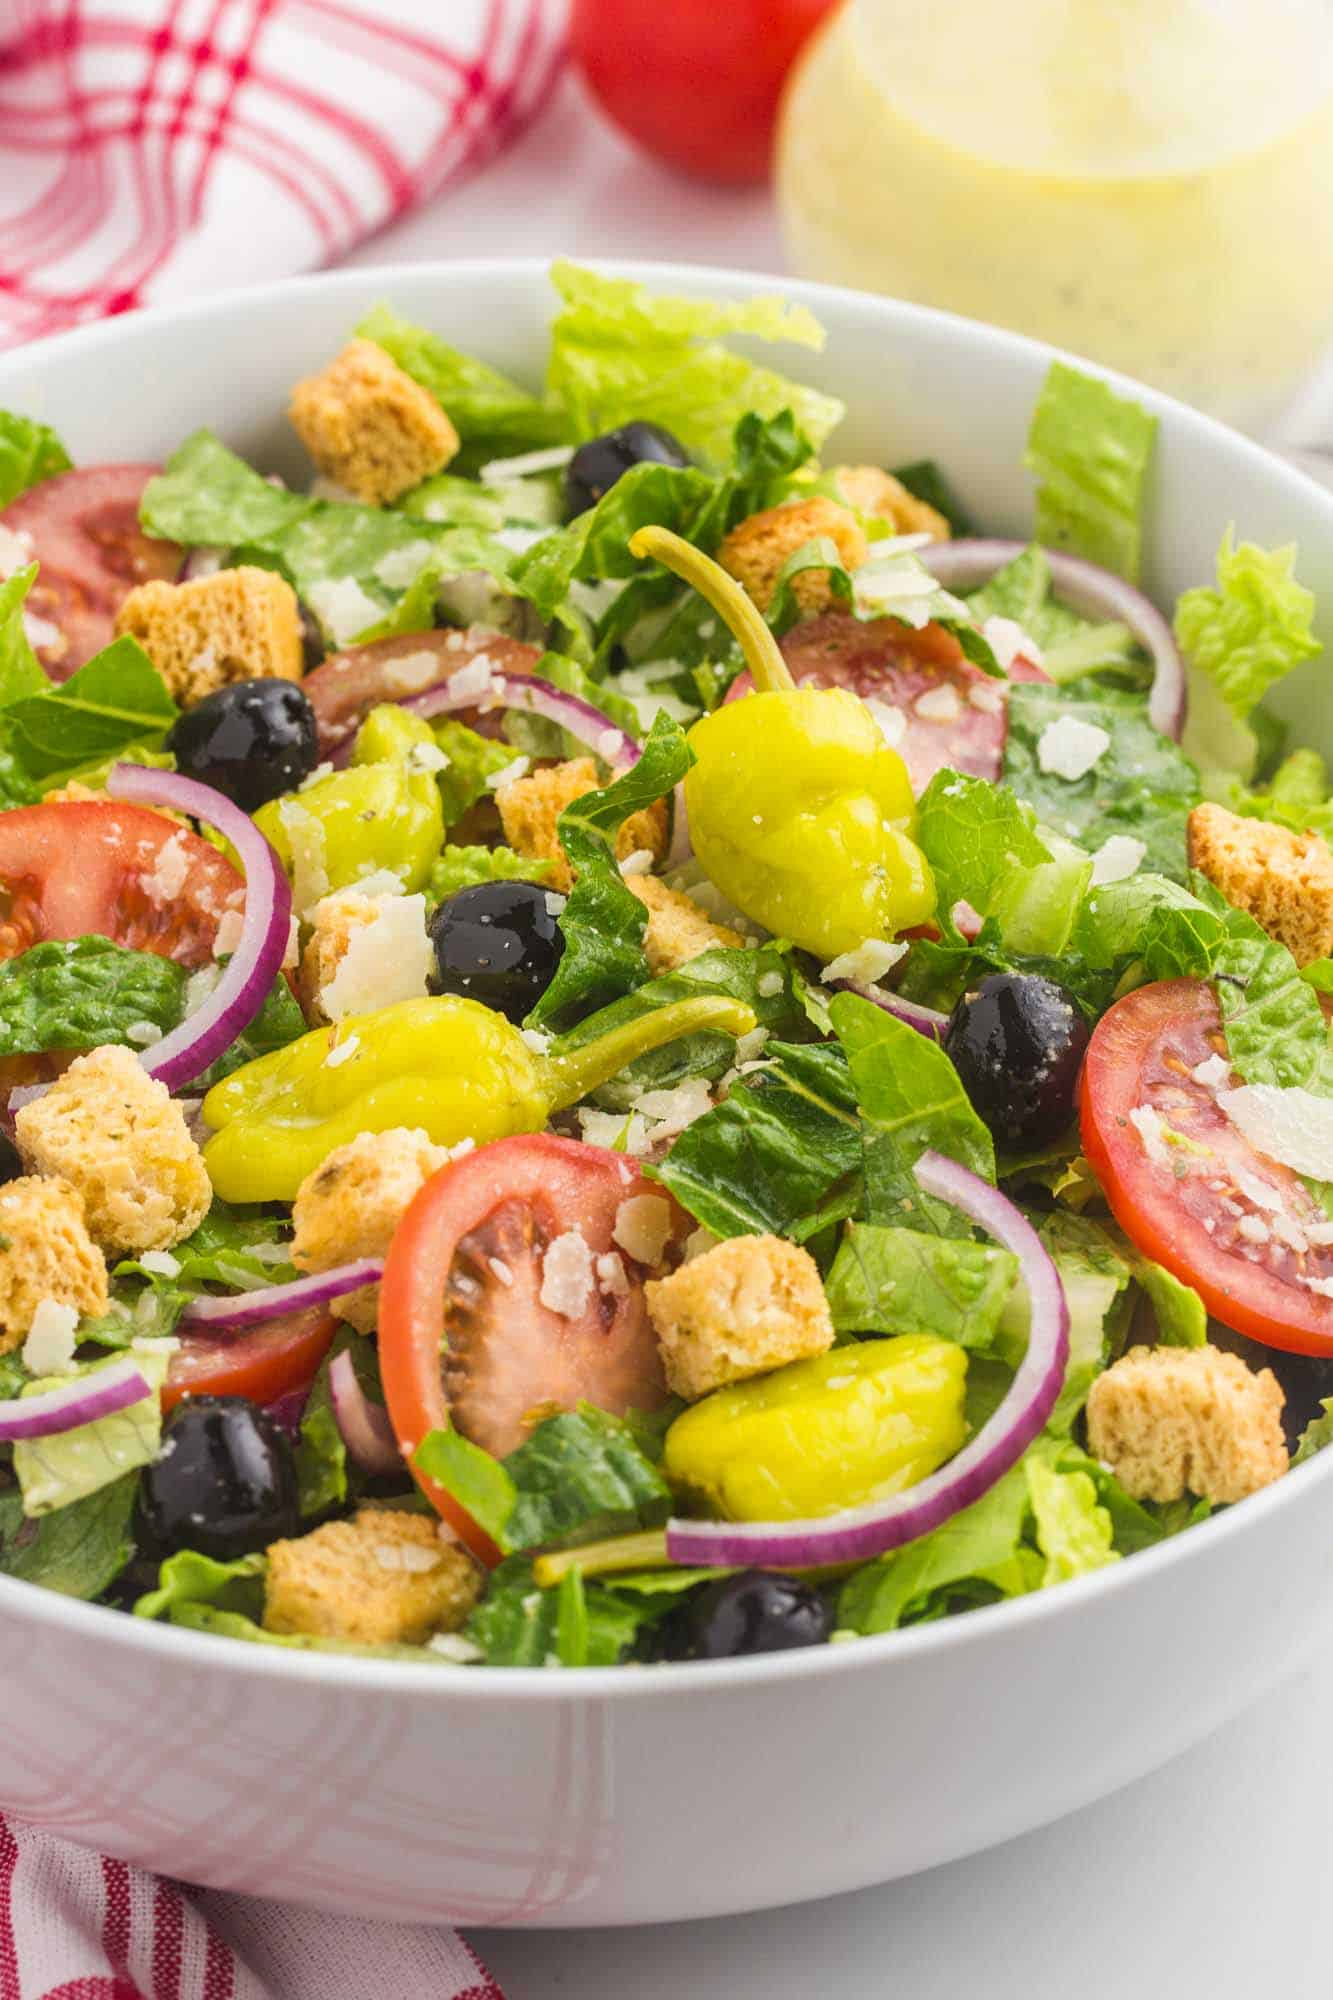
(533, 696)
(364, 1427)
(882, 1525)
(241, 1310)
(99, 1394)
(1093, 592)
(265, 930)
(924, 1019)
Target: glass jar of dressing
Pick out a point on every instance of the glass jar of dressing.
(1148, 182)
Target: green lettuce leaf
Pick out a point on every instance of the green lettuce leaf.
(975, 836)
(325, 1476)
(191, 1578)
(484, 406)
(29, 453)
(1142, 785)
(278, 1022)
(20, 670)
(1317, 1435)
(619, 351)
(925, 481)
(1296, 796)
(602, 922)
(517, 1624)
(1245, 634)
(885, 587)
(1070, 646)
(207, 497)
(460, 867)
(238, 1249)
(891, 1281)
(1074, 1532)
(472, 760)
(80, 1550)
(53, 1471)
(976, 1557)
(84, 994)
(117, 701)
(1098, 1293)
(1090, 451)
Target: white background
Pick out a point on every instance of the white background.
(1212, 1880)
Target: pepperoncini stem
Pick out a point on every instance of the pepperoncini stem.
(625, 1552)
(568, 1077)
(763, 655)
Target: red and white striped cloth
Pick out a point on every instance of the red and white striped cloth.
(77, 1926)
(158, 149)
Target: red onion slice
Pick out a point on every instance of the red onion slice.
(925, 1020)
(533, 696)
(872, 1530)
(240, 1310)
(99, 1394)
(1094, 593)
(265, 929)
(364, 1427)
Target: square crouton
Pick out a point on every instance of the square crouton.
(873, 491)
(120, 1138)
(756, 549)
(678, 929)
(385, 1579)
(351, 1204)
(368, 425)
(530, 808)
(1283, 880)
(1175, 1420)
(752, 1304)
(45, 1253)
(236, 625)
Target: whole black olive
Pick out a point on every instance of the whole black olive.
(1017, 1044)
(251, 740)
(755, 1612)
(224, 1482)
(497, 942)
(596, 465)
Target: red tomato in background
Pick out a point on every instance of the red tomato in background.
(695, 82)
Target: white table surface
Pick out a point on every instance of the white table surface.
(1213, 1879)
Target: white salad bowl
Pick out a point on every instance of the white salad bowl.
(635, 1795)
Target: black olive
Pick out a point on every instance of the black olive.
(596, 465)
(11, 1166)
(224, 1482)
(497, 942)
(251, 741)
(1017, 1044)
(755, 1612)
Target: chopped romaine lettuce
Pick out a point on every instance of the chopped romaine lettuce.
(29, 453)
(519, 1625)
(1072, 1529)
(461, 867)
(472, 760)
(977, 837)
(1090, 450)
(84, 994)
(53, 1471)
(484, 406)
(117, 702)
(890, 1281)
(20, 671)
(1317, 1435)
(80, 1550)
(620, 351)
(1243, 635)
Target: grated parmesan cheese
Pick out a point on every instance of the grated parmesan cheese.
(228, 933)
(867, 964)
(642, 1227)
(1150, 1128)
(52, 1338)
(407, 1556)
(939, 704)
(567, 1277)
(342, 607)
(1212, 1072)
(1069, 747)
(386, 960)
(1007, 639)
(510, 775)
(411, 672)
(1293, 1126)
(612, 1279)
(640, 862)
(170, 872)
(403, 566)
(1117, 859)
(15, 551)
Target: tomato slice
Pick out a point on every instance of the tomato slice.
(83, 528)
(77, 868)
(884, 660)
(1224, 1218)
(463, 1333)
(263, 1364)
(343, 688)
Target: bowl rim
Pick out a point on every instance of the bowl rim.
(79, 1619)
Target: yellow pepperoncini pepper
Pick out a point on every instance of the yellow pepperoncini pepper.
(852, 1426)
(449, 1065)
(382, 813)
(798, 809)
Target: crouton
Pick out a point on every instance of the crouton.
(364, 952)
(753, 1303)
(755, 551)
(45, 1253)
(385, 1579)
(873, 491)
(1176, 1420)
(369, 426)
(1283, 880)
(120, 1138)
(351, 1204)
(236, 625)
(678, 929)
(529, 808)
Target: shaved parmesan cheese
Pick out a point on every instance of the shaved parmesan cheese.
(986, 696)
(891, 721)
(612, 1277)
(410, 672)
(477, 681)
(643, 1227)
(1148, 1124)
(1117, 859)
(638, 863)
(170, 872)
(567, 1278)
(1212, 1073)
(868, 963)
(49, 1348)
(1293, 1127)
(672, 1110)
(15, 551)
(510, 775)
(1007, 639)
(1069, 747)
(614, 1130)
(403, 566)
(386, 960)
(342, 607)
(939, 704)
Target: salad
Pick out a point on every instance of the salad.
(622, 1041)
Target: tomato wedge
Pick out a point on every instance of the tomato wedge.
(77, 868)
(83, 528)
(263, 1364)
(464, 1334)
(885, 660)
(345, 687)
(1198, 1197)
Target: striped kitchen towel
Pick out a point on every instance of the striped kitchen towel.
(159, 149)
(78, 1926)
